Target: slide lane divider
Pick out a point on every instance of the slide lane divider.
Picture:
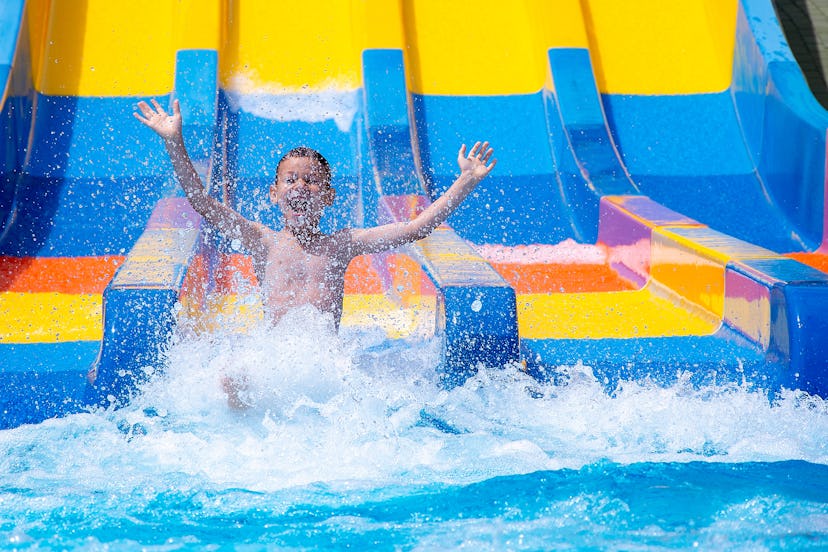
(140, 303)
(579, 135)
(477, 312)
(768, 306)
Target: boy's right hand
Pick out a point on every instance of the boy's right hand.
(167, 126)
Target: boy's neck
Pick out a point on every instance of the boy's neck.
(304, 234)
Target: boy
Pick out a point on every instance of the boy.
(300, 265)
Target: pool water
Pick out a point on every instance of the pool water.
(350, 442)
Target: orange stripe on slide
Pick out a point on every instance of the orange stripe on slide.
(235, 271)
(78, 275)
(817, 260)
(362, 277)
(561, 278)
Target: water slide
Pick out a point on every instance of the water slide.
(658, 207)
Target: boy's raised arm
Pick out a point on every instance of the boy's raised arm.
(474, 167)
(224, 219)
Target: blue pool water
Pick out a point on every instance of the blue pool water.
(351, 443)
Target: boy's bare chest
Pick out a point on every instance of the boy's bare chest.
(300, 267)
(288, 264)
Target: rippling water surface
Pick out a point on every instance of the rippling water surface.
(350, 441)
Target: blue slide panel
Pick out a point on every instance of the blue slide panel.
(196, 89)
(783, 124)
(805, 312)
(137, 324)
(93, 137)
(386, 121)
(15, 111)
(43, 380)
(92, 176)
(798, 349)
(588, 161)
(522, 201)
(80, 217)
(708, 359)
(481, 328)
(706, 159)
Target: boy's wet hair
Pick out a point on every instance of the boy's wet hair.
(304, 151)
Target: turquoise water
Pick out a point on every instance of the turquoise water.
(351, 443)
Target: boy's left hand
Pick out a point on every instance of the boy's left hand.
(476, 163)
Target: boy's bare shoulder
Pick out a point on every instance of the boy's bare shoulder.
(340, 243)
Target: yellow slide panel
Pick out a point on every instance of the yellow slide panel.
(281, 46)
(417, 318)
(617, 314)
(489, 47)
(240, 313)
(50, 317)
(115, 48)
(675, 47)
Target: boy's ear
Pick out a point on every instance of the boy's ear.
(273, 197)
(330, 196)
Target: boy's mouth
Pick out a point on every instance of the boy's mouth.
(298, 204)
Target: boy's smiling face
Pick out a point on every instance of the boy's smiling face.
(302, 191)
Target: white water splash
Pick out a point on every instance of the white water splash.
(566, 252)
(355, 410)
(306, 105)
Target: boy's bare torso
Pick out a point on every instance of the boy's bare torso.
(292, 274)
(299, 265)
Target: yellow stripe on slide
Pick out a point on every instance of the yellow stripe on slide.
(240, 313)
(398, 321)
(115, 48)
(691, 261)
(233, 313)
(279, 46)
(486, 48)
(50, 317)
(676, 47)
(618, 314)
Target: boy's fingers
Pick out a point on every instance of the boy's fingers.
(145, 109)
(463, 150)
(176, 107)
(158, 107)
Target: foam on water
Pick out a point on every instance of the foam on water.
(355, 410)
(350, 439)
(566, 252)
